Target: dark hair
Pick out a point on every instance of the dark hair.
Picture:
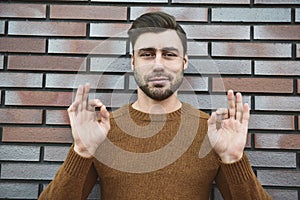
(156, 22)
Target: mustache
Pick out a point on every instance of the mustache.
(157, 75)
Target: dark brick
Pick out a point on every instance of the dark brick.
(280, 68)
(213, 1)
(180, 13)
(279, 177)
(275, 50)
(297, 18)
(277, 32)
(217, 32)
(113, 47)
(22, 10)
(277, 141)
(278, 194)
(28, 171)
(277, 103)
(197, 48)
(298, 50)
(30, 45)
(49, 63)
(272, 159)
(275, 122)
(110, 64)
(25, 80)
(133, 1)
(71, 29)
(38, 98)
(55, 153)
(212, 66)
(36, 134)
(109, 30)
(2, 27)
(88, 12)
(19, 153)
(98, 81)
(251, 14)
(20, 116)
(272, 2)
(57, 117)
(259, 85)
(1, 61)
(11, 190)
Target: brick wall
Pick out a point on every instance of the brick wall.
(48, 47)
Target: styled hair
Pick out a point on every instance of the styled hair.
(156, 22)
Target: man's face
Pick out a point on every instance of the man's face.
(158, 63)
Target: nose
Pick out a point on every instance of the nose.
(158, 62)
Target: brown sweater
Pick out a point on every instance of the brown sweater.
(155, 157)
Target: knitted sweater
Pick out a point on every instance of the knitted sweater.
(154, 157)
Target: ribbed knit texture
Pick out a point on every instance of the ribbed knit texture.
(143, 158)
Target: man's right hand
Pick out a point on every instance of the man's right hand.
(89, 129)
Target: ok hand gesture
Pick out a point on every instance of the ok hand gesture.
(87, 131)
(230, 138)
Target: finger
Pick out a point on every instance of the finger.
(239, 107)
(104, 116)
(78, 97)
(213, 119)
(231, 104)
(222, 113)
(246, 115)
(94, 103)
(85, 95)
(73, 107)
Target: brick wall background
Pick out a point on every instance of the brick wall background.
(48, 47)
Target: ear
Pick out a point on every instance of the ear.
(132, 61)
(185, 62)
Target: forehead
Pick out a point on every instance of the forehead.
(168, 38)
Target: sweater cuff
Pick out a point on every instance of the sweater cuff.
(239, 171)
(76, 165)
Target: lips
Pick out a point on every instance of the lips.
(159, 81)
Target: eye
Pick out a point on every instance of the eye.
(147, 54)
(170, 55)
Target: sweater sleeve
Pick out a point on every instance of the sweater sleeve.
(238, 181)
(74, 179)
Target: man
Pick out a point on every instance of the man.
(150, 149)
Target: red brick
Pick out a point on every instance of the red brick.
(279, 177)
(276, 141)
(213, 1)
(278, 194)
(88, 12)
(38, 98)
(33, 45)
(21, 80)
(251, 15)
(277, 32)
(109, 30)
(23, 10)
(276, 2)
(114, 47)
(277, 103)
(21, 116)
(57, 117)
(275, 50)
(180, 13)
(98, 81)
(271, 122)
(71, 29)
(214, 66)
(217, 32)
(272, 159)
(285, 68)
(46, 63)
(260, 85)
(36, 134)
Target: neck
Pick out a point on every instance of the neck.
(147, 105)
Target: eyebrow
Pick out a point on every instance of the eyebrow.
(163, 49)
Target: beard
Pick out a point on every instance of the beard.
(158, 91)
